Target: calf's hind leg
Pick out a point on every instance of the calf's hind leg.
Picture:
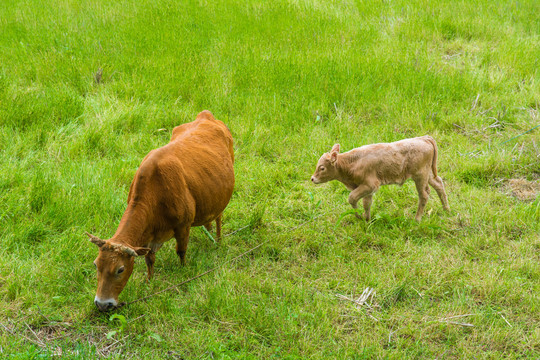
(438, 185)
(181, 235)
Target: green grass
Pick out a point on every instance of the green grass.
(290, 79)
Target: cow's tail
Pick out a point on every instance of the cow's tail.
(434, 162)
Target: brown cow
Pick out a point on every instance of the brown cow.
(186, 183)
(363, 170)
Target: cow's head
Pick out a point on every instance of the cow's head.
(326, 167)
(114, 266)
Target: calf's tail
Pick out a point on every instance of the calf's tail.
(434, 162)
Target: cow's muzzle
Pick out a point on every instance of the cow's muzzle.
(105, 305)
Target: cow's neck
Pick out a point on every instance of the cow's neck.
(132, 228)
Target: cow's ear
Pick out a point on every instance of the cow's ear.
(334, 153)
(141, 250)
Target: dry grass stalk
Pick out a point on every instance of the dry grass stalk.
(24, 336)
(505, 320)
(363, 300)
(447, 320)
(523, 189)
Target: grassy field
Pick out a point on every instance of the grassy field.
(290, 79)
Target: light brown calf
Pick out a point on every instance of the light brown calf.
(363, 170)
(186, 183)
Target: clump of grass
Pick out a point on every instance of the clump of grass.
(256, 218)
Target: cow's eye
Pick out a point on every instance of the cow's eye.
(120, 270)
(321, 168)
(95, 265)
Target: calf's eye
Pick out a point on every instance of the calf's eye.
(120, 270)
(95, 265)
(321, 168)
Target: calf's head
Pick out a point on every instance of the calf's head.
(326, 167)
(114, 266)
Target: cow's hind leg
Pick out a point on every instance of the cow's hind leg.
(218, 228)
(423, 195)
(182, 238)
(438, 185)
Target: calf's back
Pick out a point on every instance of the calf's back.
(390, 163)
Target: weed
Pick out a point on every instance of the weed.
(121, 319)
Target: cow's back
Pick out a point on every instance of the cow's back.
(190, 180)
(205, 155)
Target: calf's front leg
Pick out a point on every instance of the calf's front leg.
(367, 200)
(365, 192)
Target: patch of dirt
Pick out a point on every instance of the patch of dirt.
(523, 189)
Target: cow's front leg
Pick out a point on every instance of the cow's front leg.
(182, 238)
(150, 259)
(360, 192)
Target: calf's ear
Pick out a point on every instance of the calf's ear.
(334, 153)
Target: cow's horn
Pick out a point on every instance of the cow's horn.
(95, 240)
